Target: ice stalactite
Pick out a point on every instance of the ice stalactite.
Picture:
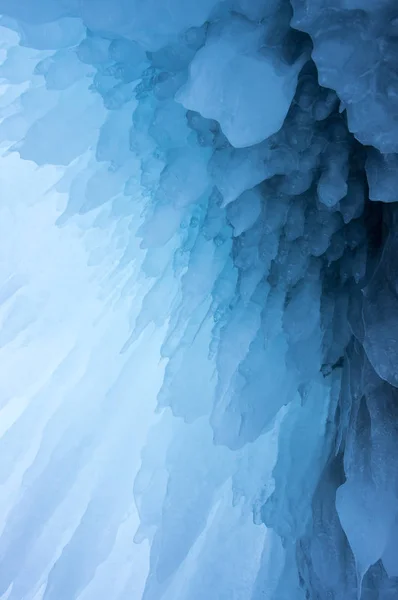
(227, 175)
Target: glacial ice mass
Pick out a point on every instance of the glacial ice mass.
(198, 300)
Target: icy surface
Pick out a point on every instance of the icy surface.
(248, 92)
(198, 294)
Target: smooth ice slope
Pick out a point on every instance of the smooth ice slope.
(221, 233)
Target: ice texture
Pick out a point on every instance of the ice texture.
(198, 300)
(248, 92)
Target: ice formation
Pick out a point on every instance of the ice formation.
(199, 300)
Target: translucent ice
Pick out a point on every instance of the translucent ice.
(247, 91)
(198, 300)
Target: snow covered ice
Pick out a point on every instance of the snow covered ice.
(198, 300)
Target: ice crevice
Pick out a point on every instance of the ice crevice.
(198, 300)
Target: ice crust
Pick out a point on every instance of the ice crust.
(214, 224)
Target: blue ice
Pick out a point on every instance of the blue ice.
(198, 300)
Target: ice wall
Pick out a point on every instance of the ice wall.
(220, 232)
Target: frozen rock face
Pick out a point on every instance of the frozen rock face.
(213, 224)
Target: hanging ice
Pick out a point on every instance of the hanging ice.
(247, 89)
(198, 328)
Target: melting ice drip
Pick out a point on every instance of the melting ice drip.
(212, 223)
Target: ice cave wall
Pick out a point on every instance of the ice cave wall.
(248, 148)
